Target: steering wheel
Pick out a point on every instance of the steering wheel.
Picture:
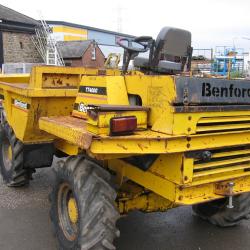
(143, 41)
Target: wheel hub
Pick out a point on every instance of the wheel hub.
(68, 211)
(9, 153)
(72, 210)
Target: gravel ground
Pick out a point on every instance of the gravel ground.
(24, 225)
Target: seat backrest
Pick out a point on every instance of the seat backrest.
(172, 44)
(173, 41)
(170, 52)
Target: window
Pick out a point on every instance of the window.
(68, 63)
(21, 45)
(93, 53)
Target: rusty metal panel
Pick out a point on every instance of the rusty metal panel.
(71, 129)
(52, 80)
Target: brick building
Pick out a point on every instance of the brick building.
(16, 45)
(81, 53)
(16, 30)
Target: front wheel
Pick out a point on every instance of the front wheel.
(83, 211)
(217, 213)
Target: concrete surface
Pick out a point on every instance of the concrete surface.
(24, 225)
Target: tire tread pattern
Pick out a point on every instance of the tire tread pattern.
(96, 203)
(226, 217)
(20, 176)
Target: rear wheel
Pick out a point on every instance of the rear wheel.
(11, 158)
(83, 211)
(217, 213)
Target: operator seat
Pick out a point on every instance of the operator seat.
(169, 53)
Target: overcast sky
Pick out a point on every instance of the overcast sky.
(221, 22)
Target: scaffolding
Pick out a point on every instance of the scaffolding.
(228, 60)
(46, 45)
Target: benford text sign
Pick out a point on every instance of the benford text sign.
(224, 91)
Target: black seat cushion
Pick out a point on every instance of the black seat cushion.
(164, 65)
(141, 62)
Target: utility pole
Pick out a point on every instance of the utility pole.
(119, 18)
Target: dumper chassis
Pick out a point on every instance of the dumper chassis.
(149, 139)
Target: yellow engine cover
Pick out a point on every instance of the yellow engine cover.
(101, 98)
(100, 90)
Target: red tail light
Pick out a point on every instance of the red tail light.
(123, 125)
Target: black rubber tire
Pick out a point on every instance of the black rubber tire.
(95, 199)
(15, 175)
(217, 213)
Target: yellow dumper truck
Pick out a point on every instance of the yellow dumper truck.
(148, 139)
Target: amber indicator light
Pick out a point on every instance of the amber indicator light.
(123, 125)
